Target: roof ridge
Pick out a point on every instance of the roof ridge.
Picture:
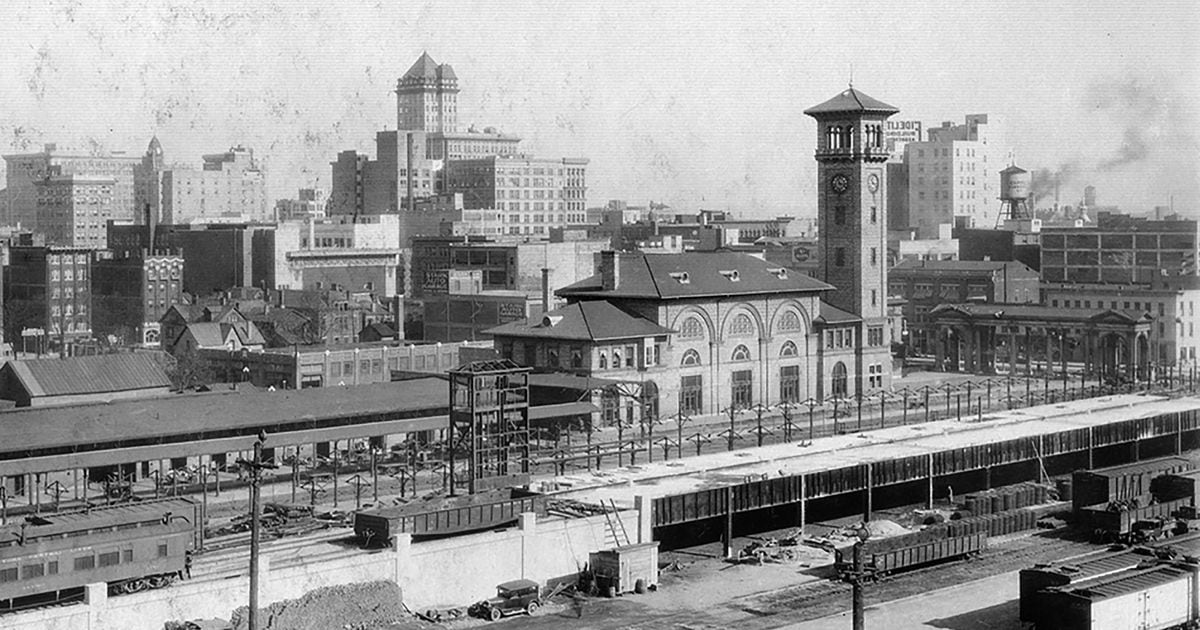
(650, 272)
(586, 323)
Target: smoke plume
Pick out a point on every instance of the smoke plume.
(1145, 108)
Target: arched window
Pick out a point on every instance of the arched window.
(788, 350)
(788, 321)
(741, 326)
(576, 358)
(692, 328)
(846, 133)
(603, 361)
(691, 357)
(616, 358)
(740, 353)
(838, 386)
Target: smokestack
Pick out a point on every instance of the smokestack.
(409, 178)
(150, 228)
(545, 290)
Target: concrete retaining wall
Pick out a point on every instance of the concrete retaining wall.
(451, 572)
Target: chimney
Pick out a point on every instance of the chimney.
(610, 270)
(150, 225)
(545, 290)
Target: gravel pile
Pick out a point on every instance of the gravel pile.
(364, 606)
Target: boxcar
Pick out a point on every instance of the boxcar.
(1039, 582)
(130, 547)
(445, 516)
(1157, 597)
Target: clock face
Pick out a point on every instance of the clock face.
(840, 183)
(873, 182)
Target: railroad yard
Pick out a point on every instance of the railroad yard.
(920, 557)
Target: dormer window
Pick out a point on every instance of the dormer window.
(732, 275)
(778, 272)
(551, 320)
(680, 276)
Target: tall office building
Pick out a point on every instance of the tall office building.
(531, 195)
(427, 97)
(147, 181)
(74, 210)
(953, 176)
(26, 170)
(230, 188)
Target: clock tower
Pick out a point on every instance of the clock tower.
(852, 220)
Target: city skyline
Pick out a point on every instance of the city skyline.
(695, 107)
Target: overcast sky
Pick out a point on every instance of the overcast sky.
(686, 102)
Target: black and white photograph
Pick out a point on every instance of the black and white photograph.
(623, 315)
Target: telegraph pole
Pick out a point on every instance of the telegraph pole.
(255, 467)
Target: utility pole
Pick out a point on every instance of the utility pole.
(255, 468)
(858, 579)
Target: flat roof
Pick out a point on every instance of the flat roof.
(675, 477)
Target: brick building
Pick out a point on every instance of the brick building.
(926, 284)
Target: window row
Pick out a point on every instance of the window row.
(741, 326)
(741, 393)
(80, 562)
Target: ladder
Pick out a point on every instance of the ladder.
(609, 517)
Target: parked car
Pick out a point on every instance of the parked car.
(511, 598)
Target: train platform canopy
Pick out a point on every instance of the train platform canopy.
(682, 476)
(175, 420)
(563, 380)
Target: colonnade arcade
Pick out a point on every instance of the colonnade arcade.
(1017, 339)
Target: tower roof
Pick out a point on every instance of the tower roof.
(155, 146)
(424, 68)
(851, 101)
(445, 72)
(1013, 169)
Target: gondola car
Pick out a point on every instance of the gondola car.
(130, 547)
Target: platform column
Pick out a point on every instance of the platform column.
(727, 537)
(929, 489)
(868, 500)
(803, 502)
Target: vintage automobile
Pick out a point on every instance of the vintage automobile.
(511, 598)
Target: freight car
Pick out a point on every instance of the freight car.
(1116, 483)
(131, 547)
(446, 516)
(1064, 573)
(884, 556)
(1155, 597)
(1131, 521)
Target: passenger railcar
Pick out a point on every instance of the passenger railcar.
(130, 547)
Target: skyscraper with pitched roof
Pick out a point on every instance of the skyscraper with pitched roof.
(427, 97)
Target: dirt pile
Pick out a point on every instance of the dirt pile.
(344, 607)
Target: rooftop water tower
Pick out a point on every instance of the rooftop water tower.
(1015, 183)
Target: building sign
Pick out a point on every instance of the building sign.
(896, 133)
(436, 281)
(511, 311)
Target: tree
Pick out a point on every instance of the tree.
(188, 370)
